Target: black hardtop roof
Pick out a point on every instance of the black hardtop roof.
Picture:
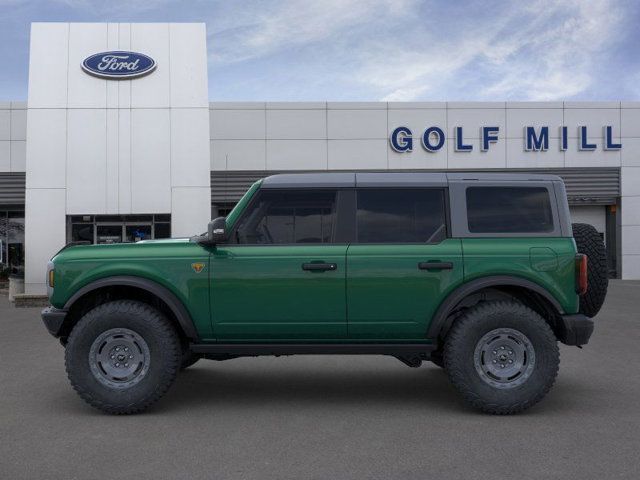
(396, 179)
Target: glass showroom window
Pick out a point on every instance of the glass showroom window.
(117, 228)
(12, 241)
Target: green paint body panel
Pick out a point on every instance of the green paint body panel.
(389, 297)
(375, 293)
(166, 262)
(530, 258)
(262, 292)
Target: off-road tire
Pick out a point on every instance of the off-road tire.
(188, 358)
(589, 242)
(164, 356)
(469, 330)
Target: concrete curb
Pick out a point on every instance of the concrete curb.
(24, 300)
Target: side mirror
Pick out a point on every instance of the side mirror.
(217, 231)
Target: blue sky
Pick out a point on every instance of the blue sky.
(401, 50)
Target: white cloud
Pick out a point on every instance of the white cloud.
(291, 23)
(93, 6)
(407, 50)
(547, 51)
(567, 57)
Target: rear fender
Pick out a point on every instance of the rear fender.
(441, 321)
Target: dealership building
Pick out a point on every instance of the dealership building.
(118, 141)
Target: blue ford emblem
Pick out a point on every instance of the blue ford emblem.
(118, 65)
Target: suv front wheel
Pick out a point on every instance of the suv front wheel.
(502, 356)
(122, 356)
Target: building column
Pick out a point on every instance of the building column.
(45, 234)
(630, 222)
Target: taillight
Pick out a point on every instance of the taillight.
(581, 274)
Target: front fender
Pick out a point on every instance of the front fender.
(175, 305)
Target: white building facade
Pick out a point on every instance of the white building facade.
(107, 160)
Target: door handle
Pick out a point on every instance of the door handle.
(319, 267)
(435, 265)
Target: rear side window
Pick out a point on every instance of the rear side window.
(291, 216)
(389, 215)
(509, 210)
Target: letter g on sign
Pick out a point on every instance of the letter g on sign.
(401, 140)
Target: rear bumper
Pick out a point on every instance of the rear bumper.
(53, 319)
(575, 329)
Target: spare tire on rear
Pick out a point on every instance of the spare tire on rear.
(589, 242)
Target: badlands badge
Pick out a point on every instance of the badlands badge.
(197, 267)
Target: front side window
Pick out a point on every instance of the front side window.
(287, 217)
(389, 215)
(509, 210)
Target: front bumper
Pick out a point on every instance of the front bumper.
(575, 329)
(53, 319)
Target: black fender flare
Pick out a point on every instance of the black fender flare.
(175, 305)
(439, 320)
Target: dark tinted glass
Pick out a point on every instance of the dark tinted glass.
(109, 233)
(509, 210)
(135, 233)
(136, 227)
(135, 218)
(82, 218)
(163, 230)
(82, 233)
(280, 217)
(401, 215)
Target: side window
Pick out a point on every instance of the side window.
(388, 215)
(509, 210)
(289, 216)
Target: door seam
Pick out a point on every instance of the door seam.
(346, 296)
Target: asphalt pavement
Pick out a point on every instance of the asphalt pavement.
(317, 417)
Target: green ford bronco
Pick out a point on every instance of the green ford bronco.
(481, 274)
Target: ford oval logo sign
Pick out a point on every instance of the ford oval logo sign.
(118, 65)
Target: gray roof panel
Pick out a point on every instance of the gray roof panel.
(395, 179)
(501, 177)
(310, 180)
(401, 179)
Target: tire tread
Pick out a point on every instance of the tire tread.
(456, 339)
(171, 346)
(588, 242)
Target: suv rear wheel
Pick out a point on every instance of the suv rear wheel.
(502, 356)
(122, 356)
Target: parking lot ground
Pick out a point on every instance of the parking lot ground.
(324, 417)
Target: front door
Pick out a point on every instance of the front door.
(282, 276)
(402, 263)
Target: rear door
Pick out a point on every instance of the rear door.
(283, 277)
(401, 264)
